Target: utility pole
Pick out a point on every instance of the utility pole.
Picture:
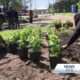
(35, 4)
(30, 4)
(35, 7)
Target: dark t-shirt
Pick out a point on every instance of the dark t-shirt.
(77, 18)
(10, 14)
(15, 14)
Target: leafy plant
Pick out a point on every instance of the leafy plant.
(35, 41)
(57, 23)
(65, 31)
(46, 30)
(10, 37)
(68, 24)
(23, 41)
(54, 44)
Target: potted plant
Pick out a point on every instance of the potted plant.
(54, 49)
(10, 38)
(57, 24)
(35, 42)
(68, 24)
(22, 50)
(12, 44)
(23, 45)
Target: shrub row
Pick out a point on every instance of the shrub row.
(58, 24)
(28, 40)
(22, 40)
(54, 44)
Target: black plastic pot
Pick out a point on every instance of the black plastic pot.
(53, 61)
(12, 48)
(58, 26)
(23, 53)
(47, 38)
(35, 57)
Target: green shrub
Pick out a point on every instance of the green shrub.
(31, 36)
(65, 31)
(57, 24)
(35, 40)
(68, 24)
(54, 44)
(47, 29)
(23, 40)
(10, 37)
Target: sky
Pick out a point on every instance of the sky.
(40, 4)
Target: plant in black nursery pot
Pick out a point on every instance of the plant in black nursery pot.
(68, 24)
(23, 45)
(12, 44)
(35, 42)
(57, 24)
(22, 50)
(54, 49)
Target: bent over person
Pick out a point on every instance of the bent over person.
(76, 18)
(76, 34)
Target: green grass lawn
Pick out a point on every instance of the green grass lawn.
(66, 14)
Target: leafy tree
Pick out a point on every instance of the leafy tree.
(78, 5)
(5, 4)
(17, 4)
(63, 5)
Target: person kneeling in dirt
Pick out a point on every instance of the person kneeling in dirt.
(2, 20)
(76, 34)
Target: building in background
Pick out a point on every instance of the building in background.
(24, 12)
(41, 11)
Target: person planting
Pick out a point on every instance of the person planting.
(76, 18)
(76, 34)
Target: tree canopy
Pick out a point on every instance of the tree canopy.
(63, 5)
(17, 4)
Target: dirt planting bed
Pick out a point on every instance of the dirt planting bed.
(12, 68)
